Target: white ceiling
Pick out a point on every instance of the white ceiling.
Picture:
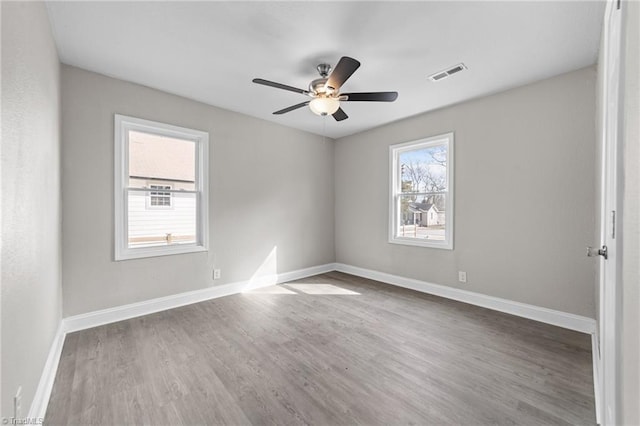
(210, 51)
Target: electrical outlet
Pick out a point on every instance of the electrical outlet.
(216, 274)
(17, 404)
(462, 276)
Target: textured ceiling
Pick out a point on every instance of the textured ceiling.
(210, 51)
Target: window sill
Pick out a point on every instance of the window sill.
(443, 245)
(144, 252)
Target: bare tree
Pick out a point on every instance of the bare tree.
(434, 182)
(439, 155)
(422, 177)
(426, 175)
(416, 173)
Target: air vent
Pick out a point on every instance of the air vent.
(441, 75)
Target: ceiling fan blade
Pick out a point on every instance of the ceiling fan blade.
(291, 108)
(342, 71)
(371, 96)
(279, 85)
(340, 115)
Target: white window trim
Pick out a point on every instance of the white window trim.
(122, 126)
(394, 191)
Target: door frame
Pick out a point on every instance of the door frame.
(610, 214)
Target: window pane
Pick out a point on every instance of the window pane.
(422, 217)
(161, 226)
(161, 161)
(423, 169)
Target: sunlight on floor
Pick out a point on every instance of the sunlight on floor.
(273, 289)
(297, 288)
(265, 278)
(320, 289)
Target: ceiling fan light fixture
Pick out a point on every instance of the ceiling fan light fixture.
(325, 91)
(324, 105)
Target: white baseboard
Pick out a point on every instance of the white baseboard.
(45, 385)
(537, 313)
(120, 313)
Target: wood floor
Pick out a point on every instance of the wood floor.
(328, 350)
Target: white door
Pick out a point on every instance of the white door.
(608, 291)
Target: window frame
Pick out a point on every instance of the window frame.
(122, 126)
(395, 181)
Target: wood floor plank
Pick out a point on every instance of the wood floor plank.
(327, 350)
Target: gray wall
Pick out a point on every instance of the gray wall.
(630, 351)
(31, 285)
(525, 177)
(271, 196)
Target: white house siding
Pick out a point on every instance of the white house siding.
(150, 224)
(429, 217)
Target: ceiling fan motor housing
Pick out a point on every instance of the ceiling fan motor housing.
(318, 87)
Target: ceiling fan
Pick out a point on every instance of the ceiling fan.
(325, 91)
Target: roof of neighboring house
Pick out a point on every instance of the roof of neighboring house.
(160, 157)
(421, 207)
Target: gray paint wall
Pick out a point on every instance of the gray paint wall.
(31, 285)
(630, 351)
(271, 196)
(524, 182)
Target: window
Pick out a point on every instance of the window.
(421, 205)
(161, 189)
(159, 198)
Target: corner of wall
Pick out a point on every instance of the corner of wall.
(31, 200)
